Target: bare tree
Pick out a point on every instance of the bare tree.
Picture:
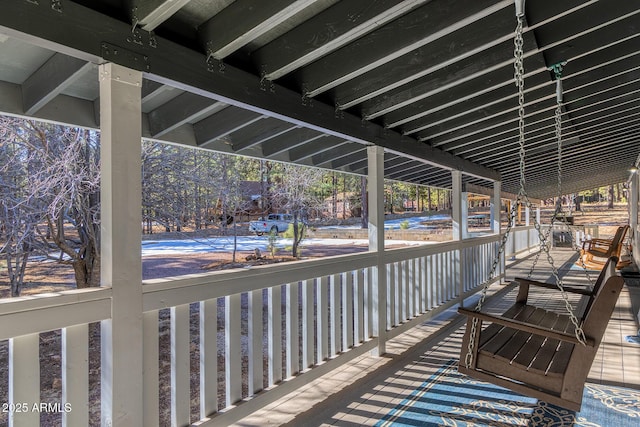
(18, 214)
(297, 190)
(70, 183)
(59, 198)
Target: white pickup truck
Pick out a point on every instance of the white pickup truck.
(277, 223)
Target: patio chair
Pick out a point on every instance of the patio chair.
(595, 252)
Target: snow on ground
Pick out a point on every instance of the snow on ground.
(245, 244)
(249, 243)
(416, 223)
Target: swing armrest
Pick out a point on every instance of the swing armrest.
(524, 284)
(525, 327)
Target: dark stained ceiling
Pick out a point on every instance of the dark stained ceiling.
(314, 82)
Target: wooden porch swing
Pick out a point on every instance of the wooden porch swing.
(540, 353)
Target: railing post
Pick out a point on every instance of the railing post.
(496, 223)
(121, 263)
(375, 156)
(459, 213)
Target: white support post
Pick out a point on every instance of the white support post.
(464, 215)
(537, 221)
(496, 207)
(527, 222)
(513, 221)
(459, 216)
(121, 263)
(634, 190)
(634, 193)
(375, 156)
(456, 207)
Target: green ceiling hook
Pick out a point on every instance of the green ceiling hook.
(556, 72)
(556, 69)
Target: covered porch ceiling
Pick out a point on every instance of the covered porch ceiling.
(314, 82)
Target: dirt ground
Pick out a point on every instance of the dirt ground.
(51, 277)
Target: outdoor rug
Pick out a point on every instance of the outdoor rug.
(448, 398)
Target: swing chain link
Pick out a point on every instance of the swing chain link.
(557, 70)
(519, 81)
(556, 212)
(522, 197)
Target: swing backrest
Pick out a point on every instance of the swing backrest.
(607, 272)
(618, 240)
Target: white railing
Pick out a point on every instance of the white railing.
(23, 321)
(241, 339)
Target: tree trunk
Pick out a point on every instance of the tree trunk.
(344, 197)
(298, 234)
(235, 241)
(334, 195)
(16, 273)
(365, 202)
(610, 198)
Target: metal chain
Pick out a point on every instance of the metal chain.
(558, 132)
(522, 196)
(519, 80)
(557, 69)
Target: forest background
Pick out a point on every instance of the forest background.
(50, 196)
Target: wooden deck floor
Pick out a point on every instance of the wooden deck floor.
(365, 390)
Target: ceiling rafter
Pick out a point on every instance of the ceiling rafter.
(378, 48)
(346, 161)
(487, 151)
(586, 135)
(225, 122)
(258, 132)
(326, 157)
(244, 21)
(50, 80)
(185, 108)
(327, 32)
(419, 110)
(149, 14)
(295, 138)
(505, 121)
(399, 74)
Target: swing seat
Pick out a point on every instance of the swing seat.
(595, 252)
(534, 351)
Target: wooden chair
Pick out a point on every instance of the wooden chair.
(595, 252)
(534, 351)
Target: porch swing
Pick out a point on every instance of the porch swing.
(539, 353)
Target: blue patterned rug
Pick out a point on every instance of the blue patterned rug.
(451, 399)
